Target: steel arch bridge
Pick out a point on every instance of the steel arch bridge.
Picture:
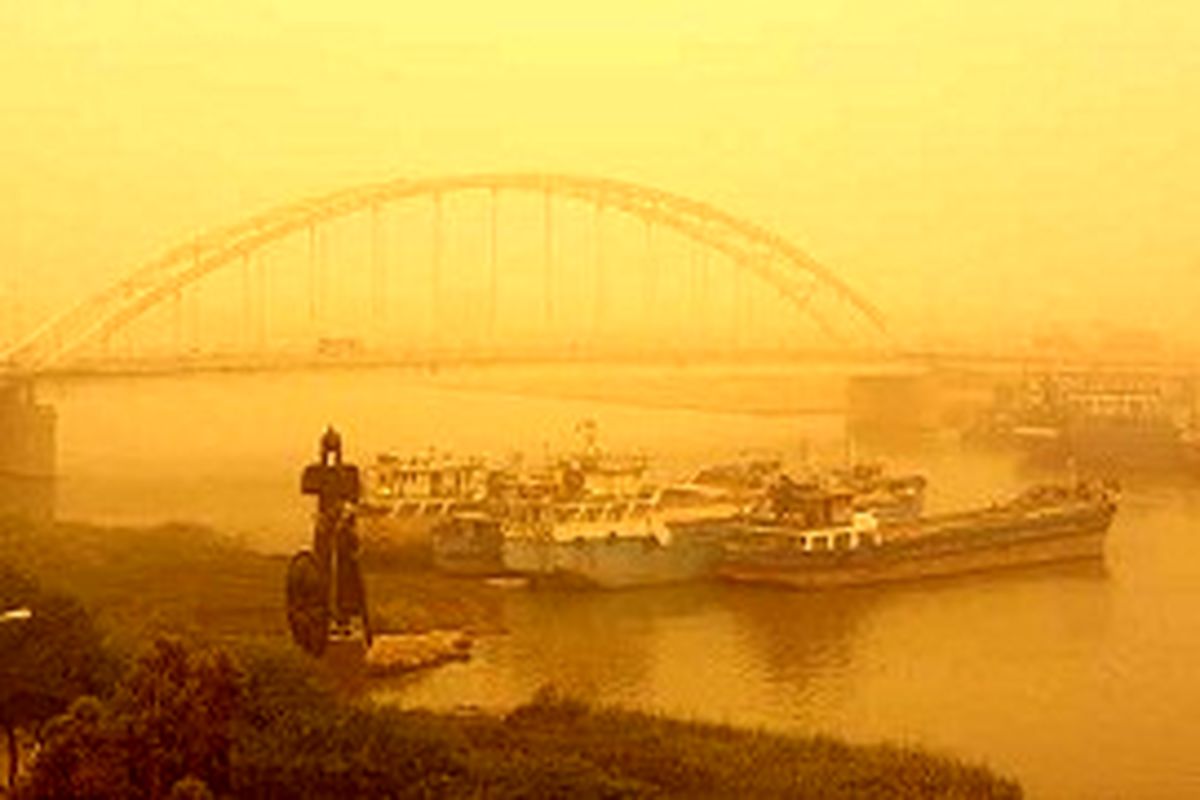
(790, 272)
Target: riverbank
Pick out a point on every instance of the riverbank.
(177, 577)
(296, 730)
(256, 724)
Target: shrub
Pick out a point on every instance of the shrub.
(170, 718)
(46, 660)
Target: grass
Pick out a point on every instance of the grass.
(560, 747)
(137, 581)
(297, 737)
(659, 756)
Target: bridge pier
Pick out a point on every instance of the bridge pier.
(27, 453)
(914, 401)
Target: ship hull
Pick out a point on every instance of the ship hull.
(469, 544)
(388, 539)
(955, 546)
(615, 562)
(1109, 449)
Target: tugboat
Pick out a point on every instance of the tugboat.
(810, 537)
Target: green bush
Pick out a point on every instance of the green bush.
(85, 755)
(46, 660)
(189, 721)
(169, 718)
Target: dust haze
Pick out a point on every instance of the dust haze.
(982, 175)
(840, 356)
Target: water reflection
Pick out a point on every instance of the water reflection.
(627, 647)
(801, 642)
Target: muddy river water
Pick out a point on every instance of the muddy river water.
(1080, 681)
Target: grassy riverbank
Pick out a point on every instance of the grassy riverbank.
(558, 747)
(257, 724)
(137, 581)
(286, 731)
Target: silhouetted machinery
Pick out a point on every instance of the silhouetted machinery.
(325, 589)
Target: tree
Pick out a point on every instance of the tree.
(166, 731)
(46, 660)
(85, 755)
(180, 705)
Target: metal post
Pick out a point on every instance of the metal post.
(323, 303)
(191, 301)
(377, 285)
(548, 255)
(702, 303)
(312, 274)
(262, 304)
(692, 314)
(598, 269)
(9, 332)
(739, 273)
(247, 301)
(493, 288)
(192, 305)
(177, 313)
(650, 283)
(437, 266)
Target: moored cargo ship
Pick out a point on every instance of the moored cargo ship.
(425, 507)
(1100, 420)
(816, 541)
(631, 534)
(407, 498)
(601, 542)
(617, 543)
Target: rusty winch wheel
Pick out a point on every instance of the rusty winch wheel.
(307, 603)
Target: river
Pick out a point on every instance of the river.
(1076, 680)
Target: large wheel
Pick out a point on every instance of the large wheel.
(307, 603)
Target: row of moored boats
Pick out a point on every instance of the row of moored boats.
(592, 518)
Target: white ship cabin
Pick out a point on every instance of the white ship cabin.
(604, 474)
(427, 477)
(1098, 396)
(816, 520)
(862, 531)
(634, 517)
(1139, 406)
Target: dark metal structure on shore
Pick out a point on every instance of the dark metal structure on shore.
(325, 589)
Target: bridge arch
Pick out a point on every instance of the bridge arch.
(770, 257)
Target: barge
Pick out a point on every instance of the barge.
(811, 538)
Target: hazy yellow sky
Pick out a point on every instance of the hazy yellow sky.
(967, 165)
